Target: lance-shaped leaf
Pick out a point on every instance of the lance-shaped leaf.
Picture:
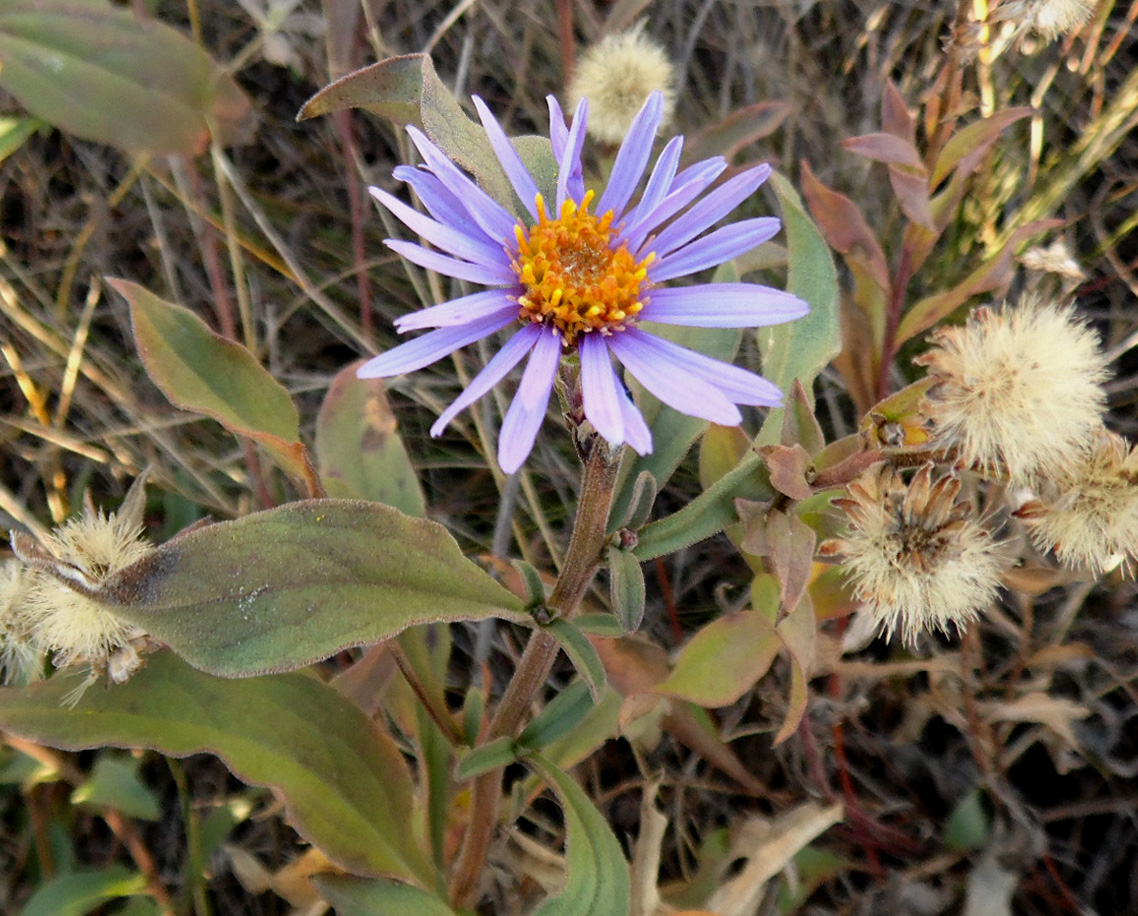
(358, 448)
(597, 879)
(101, 73)
(277, 590)
(343, 781)
(801, 349)
(204, 372)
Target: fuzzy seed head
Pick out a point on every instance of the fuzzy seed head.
(616, 75)
(1017, 391)
(1089, 516)
(70, 623)
(1055, 259)
(1051, 18)
(916, 558)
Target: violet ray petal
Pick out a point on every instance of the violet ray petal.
(599, 388)
(723, 305)
(739, 385)
(714, 248)
(558, 132)
(446, 238)
(658, 182)
(495, 220)
(636, 432)
(526, 413)
(632, 156)
(524, 185)
(570, 172)
(687, 394)
(440, 202)
(503, 361)
(486, 274)
(433, 346)
(711, 209)
(696, 179)
(456, 311)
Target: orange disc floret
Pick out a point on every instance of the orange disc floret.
(574, 280)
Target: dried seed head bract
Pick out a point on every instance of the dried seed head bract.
(1089, 515)
(616, 75)
(60, 609)
(917, 557)
(1017, 391)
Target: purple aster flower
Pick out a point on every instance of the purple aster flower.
(582, 277)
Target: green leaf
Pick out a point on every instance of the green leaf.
(14, 132)
(204, 372)
(359, 452)
(597, 880)
(724, 660)
(83, 892)
(707, 514)
(377, 897)
(343, 781)
(801, 349)
(626, 581)
(280, 589)
(564, 713)
(581, 653)
(490, 756)
(115, 783)
(102, 73)
(642, 496)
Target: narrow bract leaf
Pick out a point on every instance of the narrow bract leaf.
(626, 581)
(378, 897)
(490, 756)
(359, 451)
(597, 880)
(280, 589)
(102, 73)
(581, 653)
(343, 781)
(561, 716)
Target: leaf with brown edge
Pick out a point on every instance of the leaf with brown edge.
(104, 74)
(965, 150)
(788, 468)
(791, 542)
(844, 227)
(280, 589)
(358, 448)
(798, 631)
(201, 371)
(342, 779)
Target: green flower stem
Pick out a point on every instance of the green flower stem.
(598, 487)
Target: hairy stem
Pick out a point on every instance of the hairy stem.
(581, 562)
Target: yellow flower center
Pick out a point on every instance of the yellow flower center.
(574, 280)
